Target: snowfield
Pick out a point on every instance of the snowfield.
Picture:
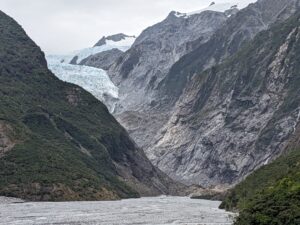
(220, 7)
(146, 211)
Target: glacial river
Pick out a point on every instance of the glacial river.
(143, 211)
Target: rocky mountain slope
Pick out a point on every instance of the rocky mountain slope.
(270, 195)
(195, 126)
(58, 142)
(227, 40)
(141, 69)
(162, 45)
(235, 117)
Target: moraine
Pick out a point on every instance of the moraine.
(146, 211)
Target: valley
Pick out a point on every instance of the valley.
(202, 105)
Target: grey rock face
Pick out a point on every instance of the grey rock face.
(102, 60)
(156, 50)
(235, 117)
(199, 128)
(140, 70)
(238, 31)
(6, 143)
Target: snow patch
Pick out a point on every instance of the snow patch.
(219, 7)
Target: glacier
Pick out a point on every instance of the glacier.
(96, 81)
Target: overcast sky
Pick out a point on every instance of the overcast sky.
(62, 26)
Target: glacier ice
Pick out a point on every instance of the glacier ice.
(96, 81)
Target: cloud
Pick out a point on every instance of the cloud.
(61, 26)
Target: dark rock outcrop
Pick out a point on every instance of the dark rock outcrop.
(102, 60)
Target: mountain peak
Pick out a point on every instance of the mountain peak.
(115, 38)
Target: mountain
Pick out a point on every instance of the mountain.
(237, 31)
(121, 42)
(58, 142)
(234, 117)
(170, 99)
(115, 38)
(103, 60)
(270, 195)
(138, 72)
(158, 47)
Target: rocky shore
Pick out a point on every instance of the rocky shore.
(7, 200)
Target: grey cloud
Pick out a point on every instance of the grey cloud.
(61, 26)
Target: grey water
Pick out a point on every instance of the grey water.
(144, 211)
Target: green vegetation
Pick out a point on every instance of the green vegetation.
(65, 143)
(262, 179)
(271, 195)
(277, 204)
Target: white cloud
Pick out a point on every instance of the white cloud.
(61, 26)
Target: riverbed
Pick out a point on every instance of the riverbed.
(144, 211)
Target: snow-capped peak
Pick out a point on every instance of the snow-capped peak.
(219, 7)
(115, 38)
(119, 41)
